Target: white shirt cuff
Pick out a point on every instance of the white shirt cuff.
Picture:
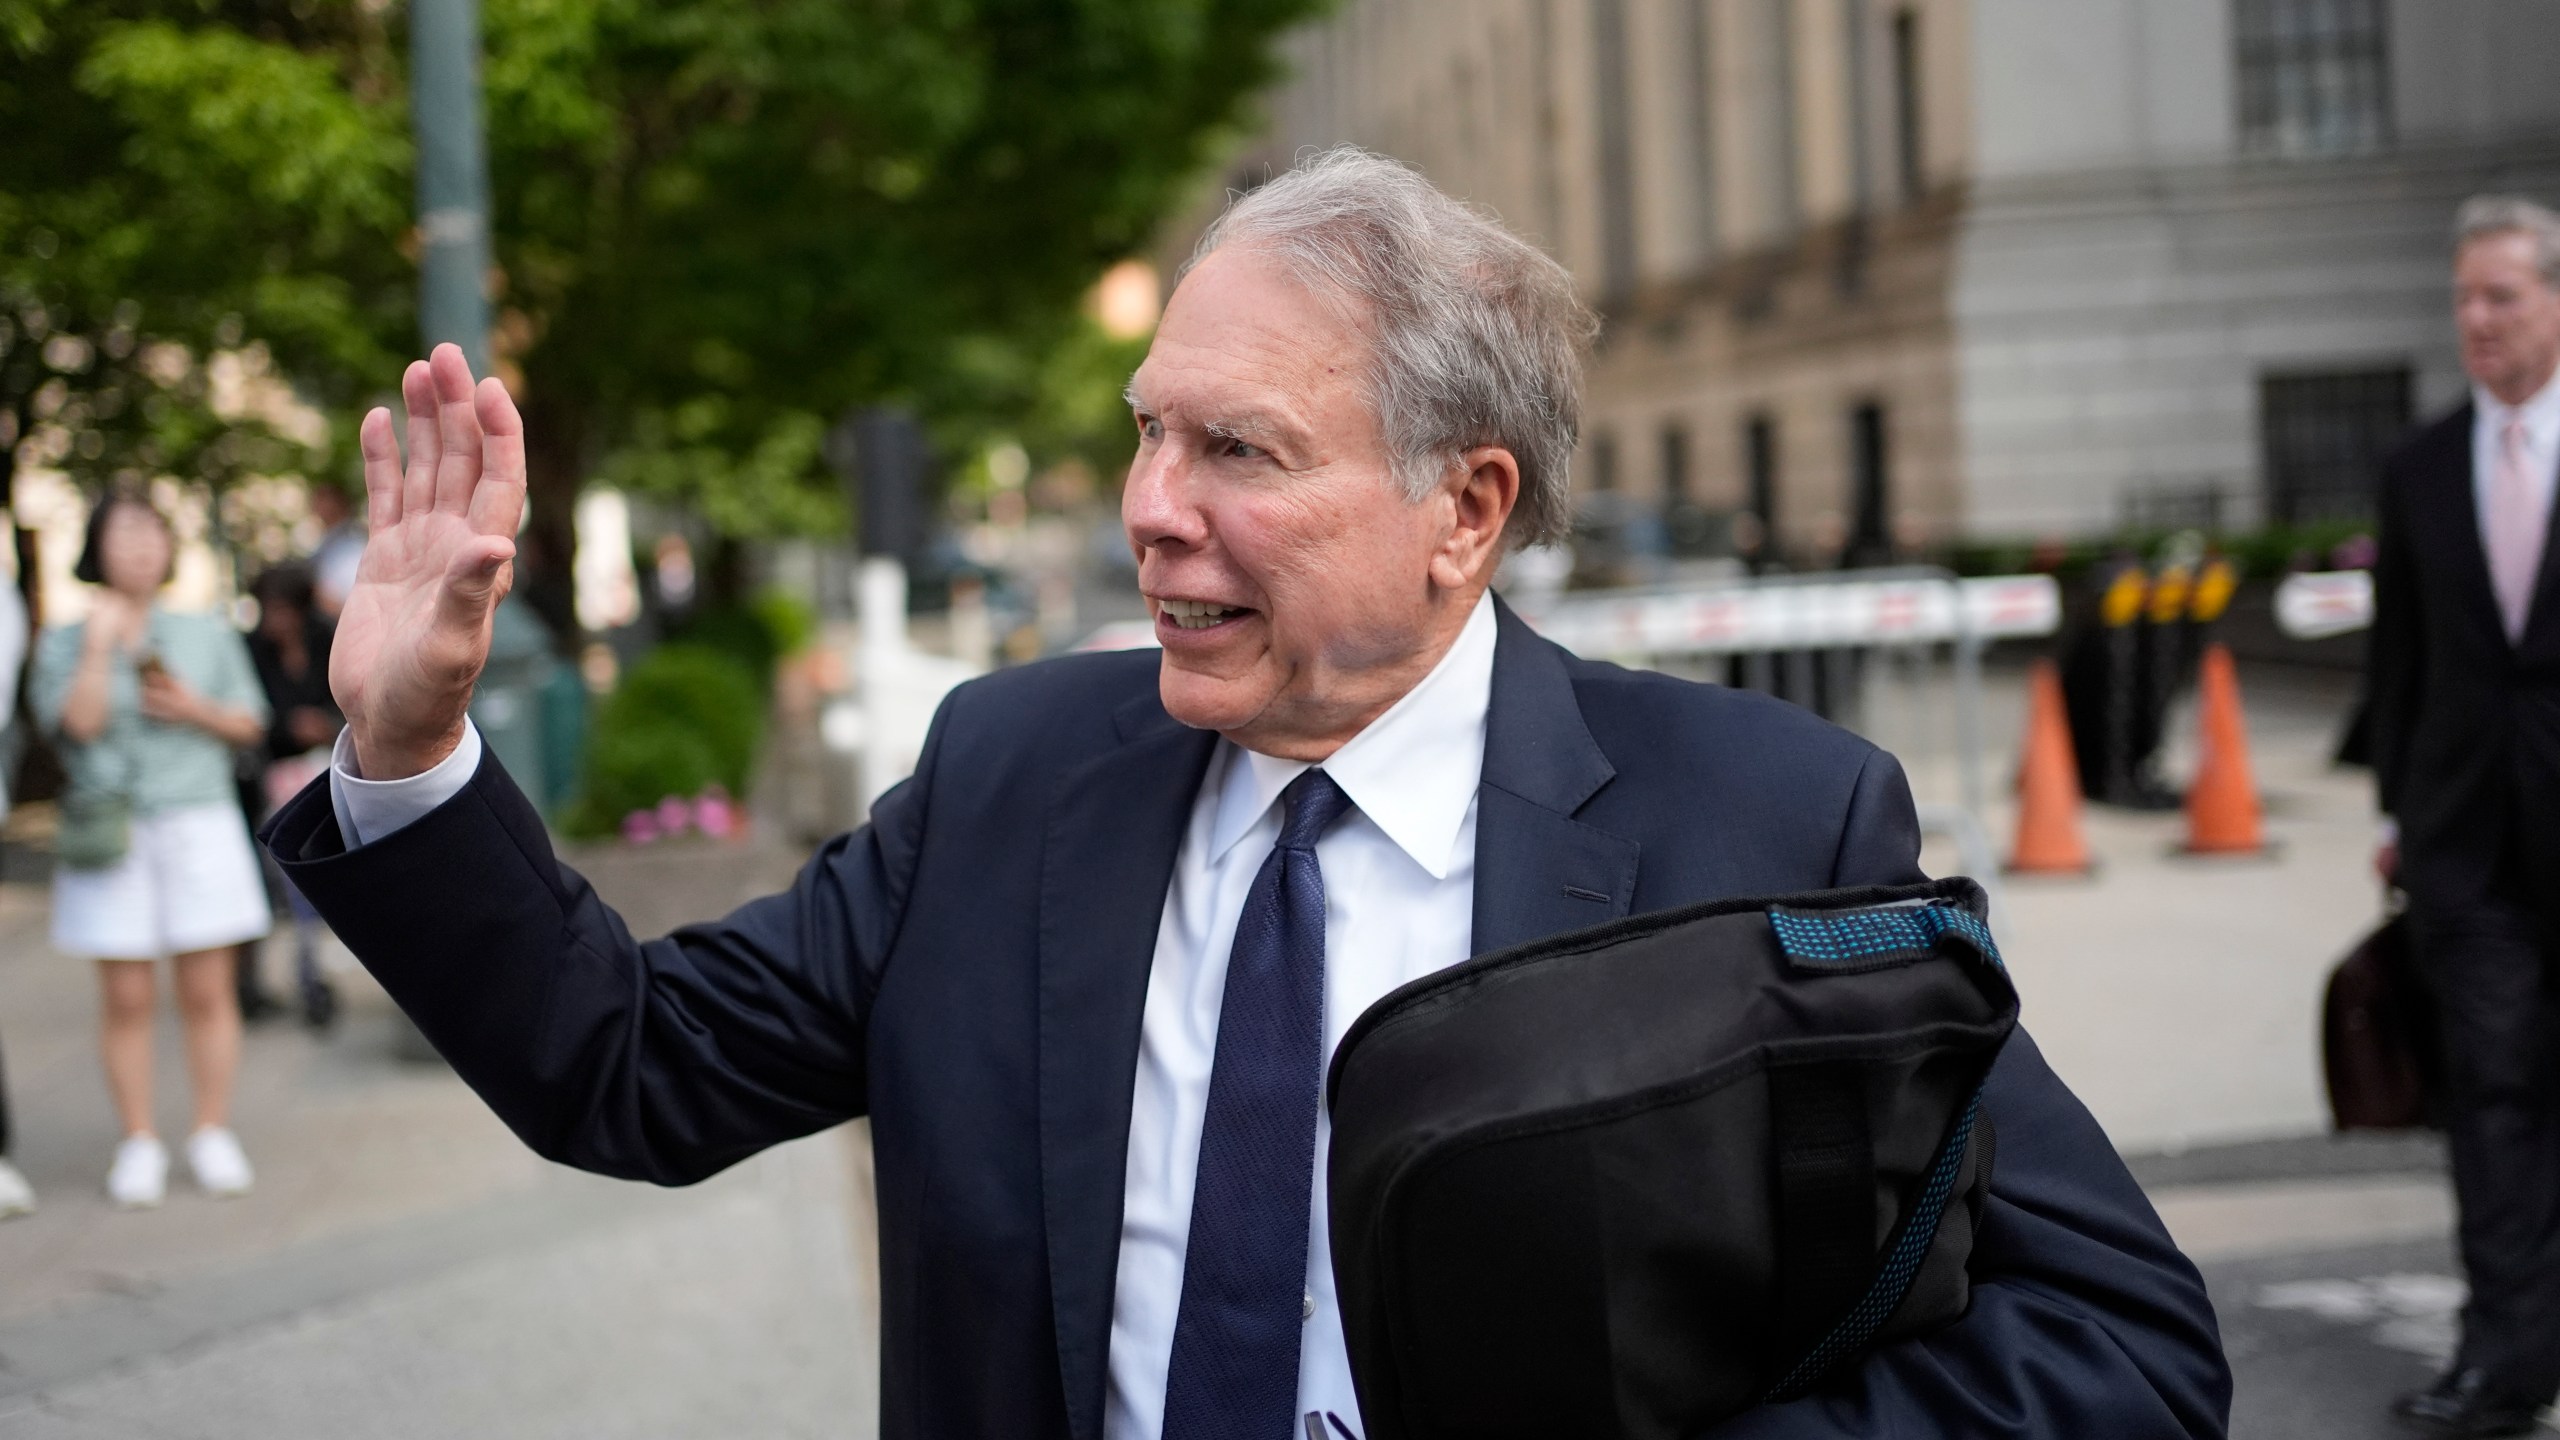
(369, 810)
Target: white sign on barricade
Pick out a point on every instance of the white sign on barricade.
(1740, 619)
(2319, 604)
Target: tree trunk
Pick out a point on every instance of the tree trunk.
(547, 551)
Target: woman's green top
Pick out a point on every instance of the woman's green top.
(159, 764)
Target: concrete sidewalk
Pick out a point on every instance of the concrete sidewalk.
(406, 1267)
(2181, 996)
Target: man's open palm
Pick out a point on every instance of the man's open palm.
(437, 559)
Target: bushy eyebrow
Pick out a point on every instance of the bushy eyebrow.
(1247, 427)
(1251, 426)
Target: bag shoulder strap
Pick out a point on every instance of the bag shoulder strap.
(1902, 1257)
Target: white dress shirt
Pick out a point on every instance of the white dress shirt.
(1399, 883)
(2541, 415)
(1399, 903)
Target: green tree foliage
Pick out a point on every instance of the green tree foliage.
(178, 182)
(717, 223)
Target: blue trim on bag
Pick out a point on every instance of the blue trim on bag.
(1879, 936)
(1910, 1246)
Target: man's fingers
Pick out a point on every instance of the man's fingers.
(418, 397)
(497, 502)
(381, 470)
(457, 430)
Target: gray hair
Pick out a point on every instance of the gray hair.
(1476, 335)
(2485, 215)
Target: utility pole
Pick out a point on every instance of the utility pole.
(453, 259)
(890, 456)
(453, 176)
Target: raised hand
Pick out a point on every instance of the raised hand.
(438, 557)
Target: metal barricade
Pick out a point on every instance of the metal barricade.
(1824, 640)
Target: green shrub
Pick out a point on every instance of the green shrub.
(686, 717)
(787, 618)
(757, 632)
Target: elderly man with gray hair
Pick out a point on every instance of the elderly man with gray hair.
(1083, 971)
(2464, 675)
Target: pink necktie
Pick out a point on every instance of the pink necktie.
(2517, 518)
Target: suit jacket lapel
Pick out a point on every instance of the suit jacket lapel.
(1539, 871)
(1115, 829)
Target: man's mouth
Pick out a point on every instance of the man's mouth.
(1199, 614)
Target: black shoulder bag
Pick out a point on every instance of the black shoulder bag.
(1631, 1181)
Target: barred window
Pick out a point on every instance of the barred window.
(2324, 437)
(2315, 76)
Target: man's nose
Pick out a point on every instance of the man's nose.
(1156, 507)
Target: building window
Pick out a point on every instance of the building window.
(1766, 50)
(2315, 76)
(1782, 127)
(1686, 523)
(1910, 161)
(1760, 485)
(1854, 24)
(1604, 463)
(1699, 51)
(1870, 487)
(2323, 438)
(1617, 150)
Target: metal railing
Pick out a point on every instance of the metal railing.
(1820, 639)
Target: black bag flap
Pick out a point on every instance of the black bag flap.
(1587, 1186)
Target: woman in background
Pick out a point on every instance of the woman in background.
(291, 650)
(146, 707)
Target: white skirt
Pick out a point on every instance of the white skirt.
(188, 882)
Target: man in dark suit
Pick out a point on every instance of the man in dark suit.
(1082, 971)
(2465, 686)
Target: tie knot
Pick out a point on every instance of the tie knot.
(1314, 802)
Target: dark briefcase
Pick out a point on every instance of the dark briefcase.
(1631, 1181)
(2379, 1045)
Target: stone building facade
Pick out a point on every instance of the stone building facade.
(1884, 274)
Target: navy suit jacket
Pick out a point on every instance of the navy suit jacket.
(969, 970)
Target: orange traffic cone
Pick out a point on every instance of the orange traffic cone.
(2049, 839)
(2222, 804)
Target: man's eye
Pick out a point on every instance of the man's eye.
(1243, 451)
(1150, 428)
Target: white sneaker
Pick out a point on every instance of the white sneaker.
(214, 1154)
(17, 1197)
(140, 1178)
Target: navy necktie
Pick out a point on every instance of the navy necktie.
(1234, 1374)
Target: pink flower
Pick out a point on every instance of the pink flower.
(640, 827)
(715, 815)
(674, 815)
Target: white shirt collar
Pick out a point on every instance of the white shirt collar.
(2540, 410)
(1413, 771)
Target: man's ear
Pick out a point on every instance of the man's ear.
(1482, 490)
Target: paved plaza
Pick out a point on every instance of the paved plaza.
(405, 1268)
